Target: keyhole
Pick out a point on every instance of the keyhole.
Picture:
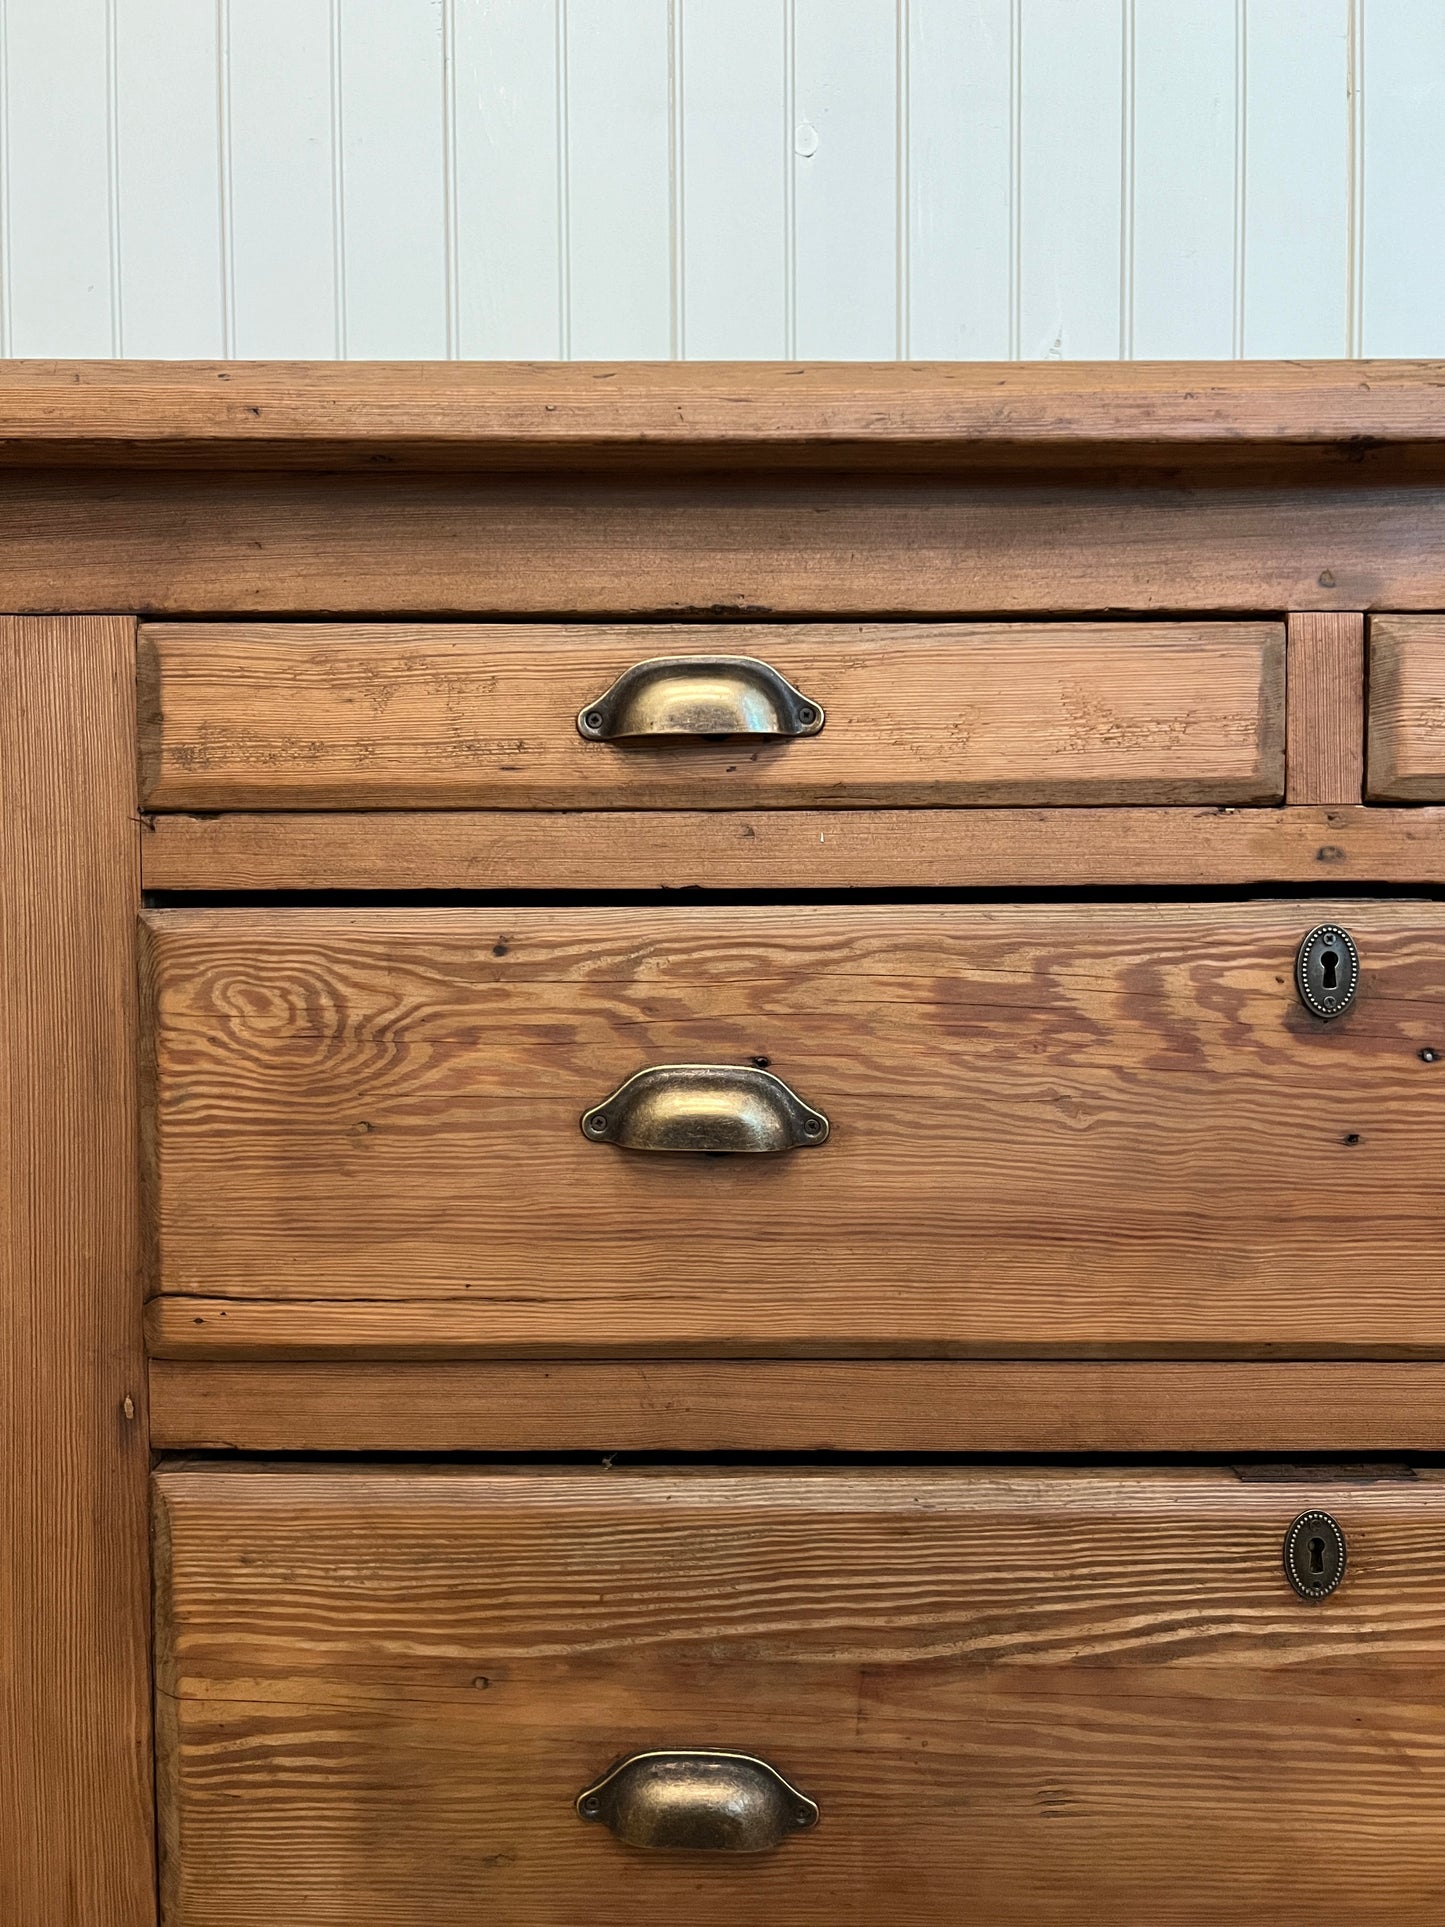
(1329, 964)
(1317, 1555)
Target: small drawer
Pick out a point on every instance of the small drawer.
(1406, 754)
(393, 1695)
(331, 716)
(1029, 1129)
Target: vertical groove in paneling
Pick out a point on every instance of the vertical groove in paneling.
(1016, 181)
(338, 182)
(4, 179)
(112, 160)
(223, 146)
(1355, 267)
(903, 178)
(676, 181)
(1127, 135)
(1241, 167)
(564, 190)
(790, 179)
(449, 174)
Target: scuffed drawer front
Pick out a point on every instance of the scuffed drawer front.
(994, 1129)
(1013, 1697)
(302, 716)
(1406, 758)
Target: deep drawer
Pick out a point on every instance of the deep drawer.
(1079, 1129)
(1015, 1697)
(292, 716)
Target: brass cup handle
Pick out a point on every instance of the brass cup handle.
(704, 1802)
(705, 1107)
(700, 696)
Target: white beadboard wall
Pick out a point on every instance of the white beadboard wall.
(722, 178)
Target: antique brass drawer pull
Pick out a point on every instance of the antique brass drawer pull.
(704, 1107)
(700, 696)
(703, 1801)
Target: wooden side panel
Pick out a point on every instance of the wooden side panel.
(1112, 1130)
(781, 1405)
(188, 544)
(1017, 1697)
(1407, 709)
(1017, 849)
(75, 1805)
(1326, 708)
(350, 717)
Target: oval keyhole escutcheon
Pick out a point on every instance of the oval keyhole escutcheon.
(1314, 1555)
(1327, 971)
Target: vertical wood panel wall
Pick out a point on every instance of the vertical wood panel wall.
(715, 178)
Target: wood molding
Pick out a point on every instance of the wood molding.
(75, 1771)
(955, 849)
(1325, 746)
(577, 545)
(780, 1405)
(301, 412)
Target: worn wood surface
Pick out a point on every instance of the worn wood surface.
(784, 1405)
(1109, 1129)
(792, 849)
(572, 545)
(323, 411)
(286, 716)
(75, 1773)
(1025, 1697)
(1407, 709)
(1326, 708)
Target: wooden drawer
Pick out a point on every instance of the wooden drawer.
(293, 716)
(1034, 1697)
(1406, 758)
(1080, 1129)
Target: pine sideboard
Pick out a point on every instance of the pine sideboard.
(724, 1092)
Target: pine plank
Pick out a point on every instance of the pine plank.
(75, 1770)
(780, 1405)
(959, 849)
(1326, 708)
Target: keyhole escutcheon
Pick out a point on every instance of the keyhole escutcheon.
(1315, 1555)
(1327, 971)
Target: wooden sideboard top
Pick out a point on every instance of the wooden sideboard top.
(309, 413)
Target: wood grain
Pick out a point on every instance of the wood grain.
(782, 1405)
(1326, 708)
(574, 545)
(323, 411)
(1032, 1698)
(75, 1772)
(961, 849)
(287, 716)
(1106, 1130)
(1407, 709)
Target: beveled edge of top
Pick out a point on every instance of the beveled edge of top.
(319, 413)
